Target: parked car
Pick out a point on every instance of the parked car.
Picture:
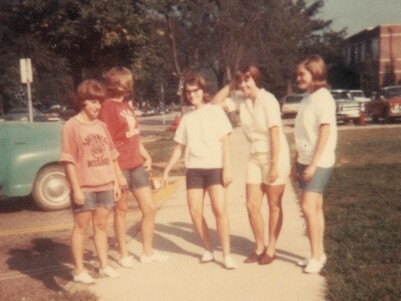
(347, 108)
(386, 105)
(29, 154)
(359, 96)
(290, 105)
(22, 114)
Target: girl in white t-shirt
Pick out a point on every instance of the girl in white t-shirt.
(315, 135)
(203, 135)
(268, 167)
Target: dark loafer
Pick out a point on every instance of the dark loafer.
(254, 257)
(266, 259)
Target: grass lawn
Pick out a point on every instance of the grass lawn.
(363, 217)
(362, 210)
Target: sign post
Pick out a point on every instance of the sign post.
(26, 78)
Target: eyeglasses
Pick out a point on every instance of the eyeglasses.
(193, 91)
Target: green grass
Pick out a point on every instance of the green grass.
(363, 217)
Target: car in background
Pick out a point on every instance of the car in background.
(290, 105)
(138, 112)
(22, 114)
(359, 96)
(29, 153)
(386, 105)
(347, 108)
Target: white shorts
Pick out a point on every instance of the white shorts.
(258, 168)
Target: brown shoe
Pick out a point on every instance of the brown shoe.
(254, 257)
(265, 258)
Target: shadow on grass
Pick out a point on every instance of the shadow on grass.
(362, 210)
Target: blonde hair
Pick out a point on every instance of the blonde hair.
(119, 82)
(315, 65)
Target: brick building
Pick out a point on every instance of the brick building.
(374, 56)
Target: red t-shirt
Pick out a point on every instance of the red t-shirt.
(124, 129)
(90, 148)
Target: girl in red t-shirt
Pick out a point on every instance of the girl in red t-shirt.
(134, 161)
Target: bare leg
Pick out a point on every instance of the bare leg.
(218, 199)
(99, 222)
(120, 216)
(145, 201)
(274, 197)
(254, 197)
(312, 207)
(195, 205)
(78, 237)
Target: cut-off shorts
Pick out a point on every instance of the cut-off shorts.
(203, 178)
(93, 200)
(258, 168)
(319, 181)
(136, 178)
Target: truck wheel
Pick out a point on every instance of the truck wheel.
(50, 189)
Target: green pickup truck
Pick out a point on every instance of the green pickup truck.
(28, 164)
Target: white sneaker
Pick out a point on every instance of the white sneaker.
(314, 266)
(229, 262)
(126, 262)
(83, 277)
(156, 257)
(207, 257)
(109, 272)
(304, 262)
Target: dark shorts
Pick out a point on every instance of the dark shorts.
(94, 200)
(319, 180)
(136, 178)
(203, 178)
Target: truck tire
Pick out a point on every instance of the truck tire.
(50, 189)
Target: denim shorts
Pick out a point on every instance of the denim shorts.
(93, 200)
(203, 178)
(319, 181)
(136, 178)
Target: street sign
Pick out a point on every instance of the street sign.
(26, 70)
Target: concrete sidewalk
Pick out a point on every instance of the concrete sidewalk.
(184, 278)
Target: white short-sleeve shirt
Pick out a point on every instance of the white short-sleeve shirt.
(257, 118)
(316, 109)
(201, 132)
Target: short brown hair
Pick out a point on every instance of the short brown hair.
(195, 80)
(89, 90)
(119, 82)
(249, 71)
(317, 68)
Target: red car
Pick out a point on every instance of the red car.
(387, 104)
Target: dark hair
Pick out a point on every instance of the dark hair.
(317, 68)
(89, 90)
(249, 71)
(119, 82)
(195, 80)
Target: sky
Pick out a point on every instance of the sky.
(358, 15)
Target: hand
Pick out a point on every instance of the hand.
(227, 177)
(79, 197)
(116, 192)
(164, 180)
(309, 172)
(122, 182)
(293, 173)
(273, 174)
(148, 164)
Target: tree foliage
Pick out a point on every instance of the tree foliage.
(159, 40)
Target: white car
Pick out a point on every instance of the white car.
(359, 96)
(290, 105)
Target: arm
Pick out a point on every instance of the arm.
(71, 173)
(175, 156)
(120, 185)
(324, 132)
(144, 153)
(227, 173)
(274, 153)
(222, 95)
